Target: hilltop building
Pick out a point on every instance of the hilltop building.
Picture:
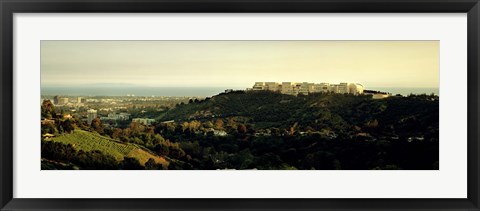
(293, 88)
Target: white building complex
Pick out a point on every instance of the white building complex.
(120, 116)
(294, 88)
(116, 116)
(144, 121)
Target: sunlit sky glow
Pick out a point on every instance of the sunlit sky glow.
(239, 63)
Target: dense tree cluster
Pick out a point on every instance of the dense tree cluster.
(92, 160)
(268, 130)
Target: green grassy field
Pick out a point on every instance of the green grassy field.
(88, 141)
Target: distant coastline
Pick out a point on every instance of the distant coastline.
(136, 91)
(406, 91)
(186, 91)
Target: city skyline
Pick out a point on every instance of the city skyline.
(238, 63)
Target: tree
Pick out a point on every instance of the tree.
(308, 162)
(157, 138)
(127, 132)
(185, 126)
(241, 129)
(60, 129)
(250, 129)
(136, 128)
(68, 125)
(219, 124)
(208, 124)
(162, 149)
(150, 130)
(194, 125)
(48, 110)
(176, 152)
(97, 125)
(337, 165)
(130, 163)
(95, 160)
(48, 128)
(152, 165)
(231, 123)
(137, 140)
(291, 131)
(372, 123)
(116, 133)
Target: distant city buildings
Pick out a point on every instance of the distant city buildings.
(55, 100)
(91, 115)
(120, 116)
(293, 88)
(66, 101)
(62, 100)
(144, 121)
(116, 116)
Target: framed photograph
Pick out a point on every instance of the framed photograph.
(239, 105)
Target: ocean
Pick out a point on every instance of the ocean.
(187, 91)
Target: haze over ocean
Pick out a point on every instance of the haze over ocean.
(187, 91)
(207, 68)
(137, 91)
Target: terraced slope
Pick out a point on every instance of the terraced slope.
(88, 141)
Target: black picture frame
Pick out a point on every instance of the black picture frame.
(9, 7)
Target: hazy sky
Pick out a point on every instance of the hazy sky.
(239, 63)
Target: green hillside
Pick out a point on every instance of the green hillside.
(268, 130)
(264, 109)
(257, 130)
(88, 141)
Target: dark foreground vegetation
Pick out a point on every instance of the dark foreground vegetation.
(260, 130)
